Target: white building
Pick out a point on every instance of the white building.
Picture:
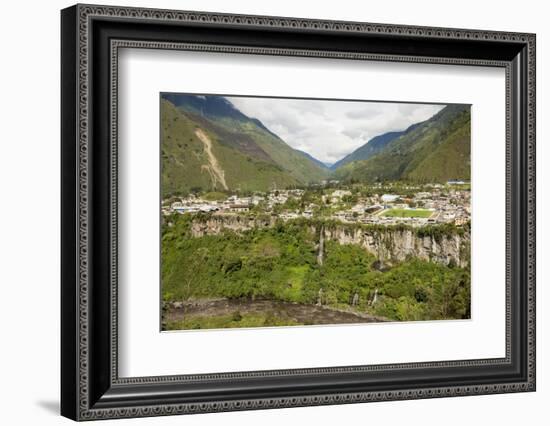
(389, 198)
(339, 193)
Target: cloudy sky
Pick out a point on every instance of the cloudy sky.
(329, 130)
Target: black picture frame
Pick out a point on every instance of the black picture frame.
(90, 386)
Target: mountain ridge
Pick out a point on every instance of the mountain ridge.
(312, 158)
(246, 154)
(437, 149)
(249, 154)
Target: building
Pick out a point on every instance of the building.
(338, 194)
(239, 208)
(389, 198)
(460, 221)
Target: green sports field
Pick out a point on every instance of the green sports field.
(408, 213)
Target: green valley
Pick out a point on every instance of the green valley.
(257, 230)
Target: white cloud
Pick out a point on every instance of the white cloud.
(329, 130)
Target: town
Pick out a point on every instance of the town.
(377, 204)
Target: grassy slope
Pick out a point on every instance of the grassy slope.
(437, 150)
(252, 158)
(449, 160)
(183, 155)
(294, 162)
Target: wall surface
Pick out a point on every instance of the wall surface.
(29, 212)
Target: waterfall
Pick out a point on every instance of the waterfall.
(375, 298)
(321, 246)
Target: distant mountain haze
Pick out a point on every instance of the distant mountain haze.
(372, 147)
(208, 144)
(312, 158)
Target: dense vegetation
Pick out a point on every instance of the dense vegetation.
(280, 263)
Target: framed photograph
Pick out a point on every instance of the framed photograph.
(263, 212)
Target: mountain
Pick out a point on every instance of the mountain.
(372, 147)
(435, 150)
(312, 158)
(208, 144)
(212, 107)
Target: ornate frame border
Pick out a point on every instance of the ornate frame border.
(84, 14)
(116, 45)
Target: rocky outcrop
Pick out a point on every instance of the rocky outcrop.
(215, 225)
(399, 244)
(387, 244)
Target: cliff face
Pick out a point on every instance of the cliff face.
(216, 225)
(388, 245)
(398, 245)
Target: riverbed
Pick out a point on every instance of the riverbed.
(300, 314)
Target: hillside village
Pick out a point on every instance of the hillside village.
(412, 205)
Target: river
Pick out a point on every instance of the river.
(301, 313)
